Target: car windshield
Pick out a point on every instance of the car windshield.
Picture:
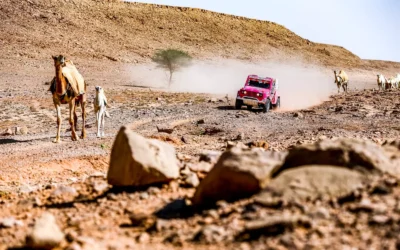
(259, 84)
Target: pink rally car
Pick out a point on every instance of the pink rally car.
(259, 92)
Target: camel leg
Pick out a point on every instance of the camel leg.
(71, 120)
(103, 122)
(83, 106)
(75, 119)
(98, 121)
(58, 109)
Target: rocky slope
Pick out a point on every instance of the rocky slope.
(131, 32)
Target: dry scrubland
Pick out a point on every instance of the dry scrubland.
(320, 173)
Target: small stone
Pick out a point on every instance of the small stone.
(144, 196)
(100, 186)
(210, 156)
(143, 238)
(21, 131)
(298, 115)
(45, 234)
(26, 189)
(10, 222)
(210, 234)
(153, 190)
(64, 190)
(273, 225)
(346, 219)
(240, 137)
(287, 241)
(186, 139)
(192, 180)
(201, 167)
(268, 201)
(213, 100)
(8, 132)
(165, 129)
(201, 121)
(258, 144)
(379, 220)
(34, 109)
(175, 239)
(321, 213)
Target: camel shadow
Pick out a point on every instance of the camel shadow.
(11, 140)
(106, 194)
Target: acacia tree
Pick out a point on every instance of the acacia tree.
(171, 60)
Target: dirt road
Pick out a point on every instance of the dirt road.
(33, 168)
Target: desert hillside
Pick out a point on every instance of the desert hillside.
(187, 168)
(130, 32)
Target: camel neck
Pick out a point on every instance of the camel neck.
(61, 84)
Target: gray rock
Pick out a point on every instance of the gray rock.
(360, 155)
(45, 234)
(137, 161)
(316, 182)
(237, 174)
(165, 129)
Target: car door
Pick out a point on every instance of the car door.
(273, 92)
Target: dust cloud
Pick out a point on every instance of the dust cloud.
(301, 86)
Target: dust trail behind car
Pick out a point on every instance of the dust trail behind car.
(300, 85)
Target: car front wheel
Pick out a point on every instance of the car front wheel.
(238, 104)
(266, 106)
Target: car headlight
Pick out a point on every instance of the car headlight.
(259, 94)
(244, 92)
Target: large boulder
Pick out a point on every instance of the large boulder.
(314, 182)
(361, 155)
(237, 174)
(137, 161)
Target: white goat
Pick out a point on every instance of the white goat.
(100, 109)
(382, 81)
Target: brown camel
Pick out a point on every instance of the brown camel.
(68, 86)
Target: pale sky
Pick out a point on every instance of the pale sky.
(368, 28)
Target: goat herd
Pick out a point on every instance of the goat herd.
(342, 81)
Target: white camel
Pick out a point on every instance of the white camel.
(100, 109)
(382, 81)
(342, 80)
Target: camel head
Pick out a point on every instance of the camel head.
(99, 89)
(59, 60)
(337, 77)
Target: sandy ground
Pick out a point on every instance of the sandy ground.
(32, 167)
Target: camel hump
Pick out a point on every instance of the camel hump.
(74, 78)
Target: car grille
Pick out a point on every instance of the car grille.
(251, 94)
